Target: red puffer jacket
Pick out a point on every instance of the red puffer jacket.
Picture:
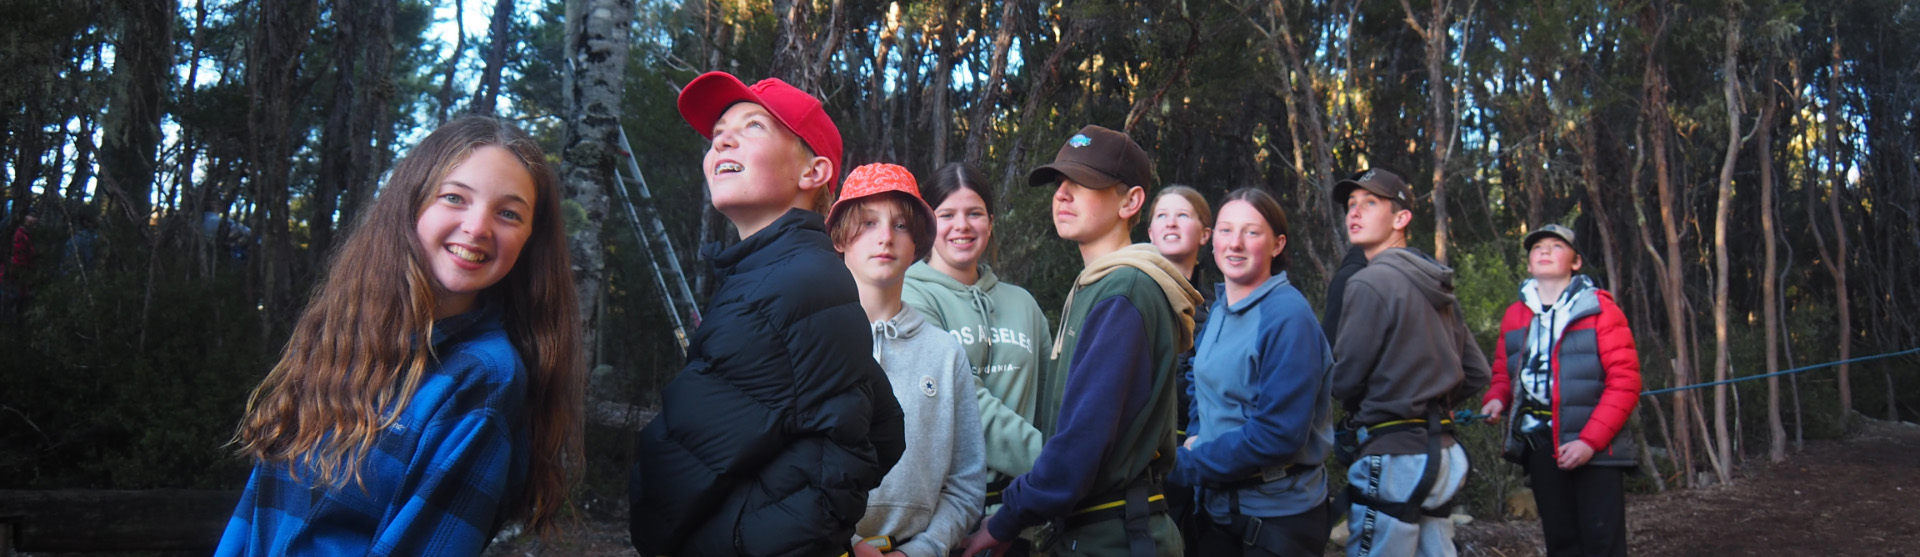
(1596, 374)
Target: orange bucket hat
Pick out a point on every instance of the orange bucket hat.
(881, 178)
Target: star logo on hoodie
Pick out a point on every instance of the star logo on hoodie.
(927, 386)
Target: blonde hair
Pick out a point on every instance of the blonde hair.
(354, 360)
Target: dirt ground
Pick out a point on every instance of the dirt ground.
(1857, 496)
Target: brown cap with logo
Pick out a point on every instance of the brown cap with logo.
(1381, 182)
(1097, 158)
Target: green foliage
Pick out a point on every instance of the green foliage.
(99, 397)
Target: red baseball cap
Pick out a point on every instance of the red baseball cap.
(710, 95)
(881, 178)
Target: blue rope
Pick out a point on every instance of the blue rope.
(1465, 417)
(1794, 370)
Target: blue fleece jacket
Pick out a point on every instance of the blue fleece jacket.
(1261, 401)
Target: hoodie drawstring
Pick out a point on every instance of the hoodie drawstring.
(882, 330)
(981, 302)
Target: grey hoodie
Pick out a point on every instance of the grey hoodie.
(1402, 346)
(935, 493)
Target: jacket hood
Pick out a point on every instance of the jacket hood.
(903, 325)
(1182, 296)
(980, 293)
(1433, 280)
(921, 270)
(1583, 297)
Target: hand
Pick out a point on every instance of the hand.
(1189, 444)
(1573, 455)
(861, 549)
(982, 540)
(1492, 410)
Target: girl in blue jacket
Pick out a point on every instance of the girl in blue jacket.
(431, 391)
(1262, 412)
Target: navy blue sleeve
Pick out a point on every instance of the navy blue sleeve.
(1111, 363)
(1289, 371)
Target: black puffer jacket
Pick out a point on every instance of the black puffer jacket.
(769, 440)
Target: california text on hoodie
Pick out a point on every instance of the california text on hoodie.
(1402, 346)
(769, 440)
(1005, 337)
(1109, 397)
(932, 498)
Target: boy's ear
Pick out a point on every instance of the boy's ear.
(1135, 199)
(1576, 262)
(817, 172)
(1402, 219)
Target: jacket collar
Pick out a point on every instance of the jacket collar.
(725, 258)
(486, 315)
(1254, 297)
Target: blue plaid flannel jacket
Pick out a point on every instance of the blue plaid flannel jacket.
(436, 483)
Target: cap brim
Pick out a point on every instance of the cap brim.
(1342, 190)
(709, 96)
(1086, 176)
(1526, 244)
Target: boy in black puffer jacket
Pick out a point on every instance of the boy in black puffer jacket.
(769, 440)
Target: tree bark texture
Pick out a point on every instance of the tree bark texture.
(1438, 95)
(273, 75)
(141, 72)
(597, 42)
(499, 35)
(1770, 283)
(978, 132)
(1730, 69)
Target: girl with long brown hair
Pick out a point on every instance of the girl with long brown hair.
(431, 392)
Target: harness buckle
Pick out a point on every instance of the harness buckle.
(1250, 536)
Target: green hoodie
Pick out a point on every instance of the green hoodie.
(1005, 337)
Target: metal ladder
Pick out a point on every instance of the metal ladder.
(672, 282)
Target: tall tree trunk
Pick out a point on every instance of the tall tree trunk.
(453, 61)
(498, 37)
(949, 50)
(1723, 210)
(1769, 283)
(978, 132)
(1533, 155)
(1587, 141)
(141, 72)
(1673, 281)
(30, 144)
(1837, 265)
(1302, 94)
(273, 75)
(1043, 85)
(371, 151)
(911, 41)
(792, 54)
(1438, 96)
(338, 135)
(597, 41)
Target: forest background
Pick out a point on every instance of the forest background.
(1743, 174)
